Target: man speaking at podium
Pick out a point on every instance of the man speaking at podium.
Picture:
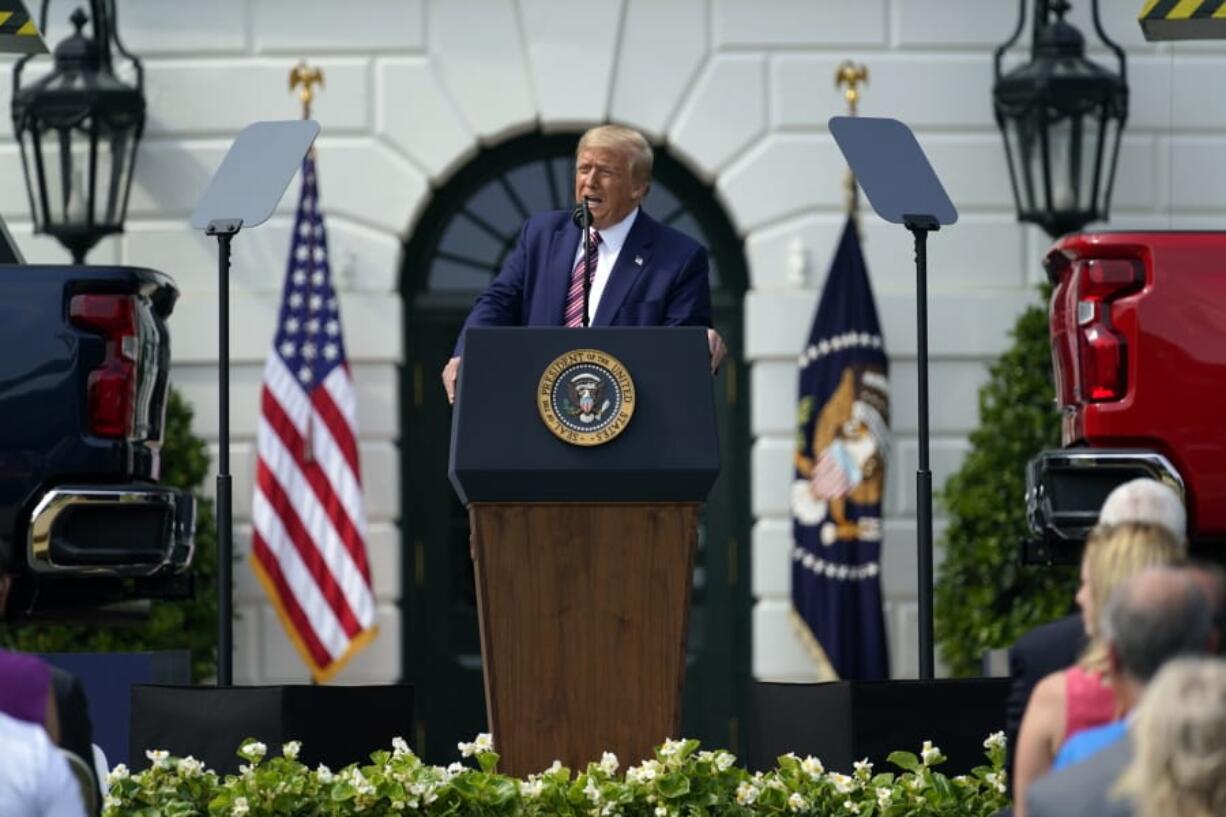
(644, 273)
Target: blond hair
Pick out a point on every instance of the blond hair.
(1114, 553)
(1179, 767)
(630, 143)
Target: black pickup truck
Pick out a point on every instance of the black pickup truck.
(83, 389)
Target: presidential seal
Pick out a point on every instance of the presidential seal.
(586, 397)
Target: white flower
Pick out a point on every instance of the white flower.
(455, 769)
(160, 758)
(608, 762)
(111, 801)
(812, 767)
(746, 794)
(190, 767)
(916, 783)
(291, 749)
(929, 753)
(883, 796)
(724, 761)
(484, 742)
(661, 811)
(863, 768)
(996, 740)
(399, 747)
(644, 773)
(796, 802)
(671, 747)
(842, 783)
(592, 791)
(997, 781)
(467, 749)
(323, 774)
(854, 808)
(253, 751)
(240, 807)
(120, 772)
(531, 789)
(554, 768)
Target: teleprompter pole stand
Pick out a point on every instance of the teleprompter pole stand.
(243, 192)
(225, 229)
(920, 226)
(903, 189)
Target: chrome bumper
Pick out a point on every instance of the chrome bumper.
(128, 530)
(1065, 488)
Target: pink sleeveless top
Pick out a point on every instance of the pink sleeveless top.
(1087, 701)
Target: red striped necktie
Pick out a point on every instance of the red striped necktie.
(573, 316)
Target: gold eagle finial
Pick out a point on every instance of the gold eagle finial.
(305, 77)
(851, 75)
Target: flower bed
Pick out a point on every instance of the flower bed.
(680, 780)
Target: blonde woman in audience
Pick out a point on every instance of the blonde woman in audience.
(1179, 763)
(1077, 698)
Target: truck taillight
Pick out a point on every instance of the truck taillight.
(1102, 351)
(111, 386)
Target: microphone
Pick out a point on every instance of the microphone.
(582, 218)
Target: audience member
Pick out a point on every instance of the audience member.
(1179, 767)
(1056, 645)
(1077, 698)
(35, 780)
(1151, 618)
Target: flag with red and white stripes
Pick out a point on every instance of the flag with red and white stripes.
(309, 538)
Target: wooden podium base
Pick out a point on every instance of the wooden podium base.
(584, 610)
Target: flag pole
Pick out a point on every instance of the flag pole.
(304, 78)
(848, 76)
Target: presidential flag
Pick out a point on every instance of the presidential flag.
(309, 540)
(841, 445)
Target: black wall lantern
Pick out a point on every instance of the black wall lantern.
(1062, 116)
(78, 128)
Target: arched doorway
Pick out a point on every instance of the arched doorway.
(456, 248)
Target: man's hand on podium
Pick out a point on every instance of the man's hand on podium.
(714, 342)
(718, 349)
(450, 372)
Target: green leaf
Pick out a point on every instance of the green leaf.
(904, 760)
(673, 786)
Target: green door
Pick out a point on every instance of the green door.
(455, 250)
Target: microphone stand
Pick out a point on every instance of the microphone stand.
(587, 259)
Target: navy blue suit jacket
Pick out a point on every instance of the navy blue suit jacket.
(660, 279)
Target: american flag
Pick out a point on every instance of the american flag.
(309, 540)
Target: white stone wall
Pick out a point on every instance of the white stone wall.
(740, 89)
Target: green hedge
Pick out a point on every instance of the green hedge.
(171, 625)
(985, 598)
(679, 780)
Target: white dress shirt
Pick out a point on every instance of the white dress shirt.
(611, 241)
(35, 780)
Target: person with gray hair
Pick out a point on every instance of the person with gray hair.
(1180, 765)
(1158, 614)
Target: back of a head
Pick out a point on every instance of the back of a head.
(1115, 553)
(1148, 501)
(1153, 617)
(1179, 766)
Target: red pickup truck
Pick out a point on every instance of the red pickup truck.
(1140, 375)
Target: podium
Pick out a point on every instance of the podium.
(583, 538)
